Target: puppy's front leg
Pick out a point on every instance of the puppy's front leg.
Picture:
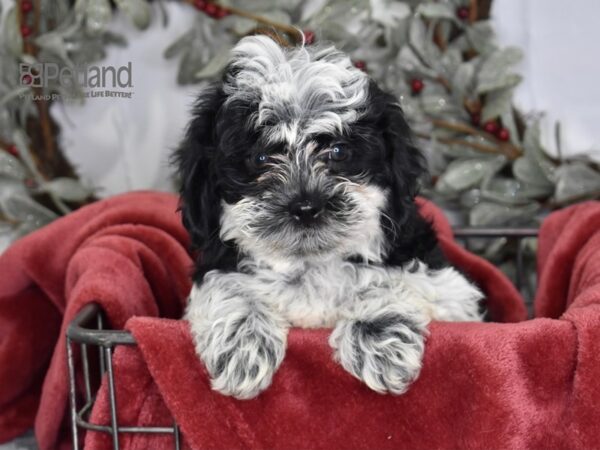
(381, 342)
(241, 341)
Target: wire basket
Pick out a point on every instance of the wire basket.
(97, 345)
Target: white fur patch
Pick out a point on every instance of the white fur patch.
(265, 300)
(300, 91)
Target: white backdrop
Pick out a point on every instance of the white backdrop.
(123, 144)
(561, 66)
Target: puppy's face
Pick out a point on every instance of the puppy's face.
(297, 154)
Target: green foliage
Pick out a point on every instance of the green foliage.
(488, 178)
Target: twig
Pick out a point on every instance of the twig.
(473, 11)
(293, 32)
(8, 220)
(474, 145)
(4, 145)
(40, 103)
(506, 148)
(576, 199)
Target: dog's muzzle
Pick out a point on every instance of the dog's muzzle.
(306, 209)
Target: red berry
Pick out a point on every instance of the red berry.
(26, 6)
(13, 150)
(491, 127)
(221, 12)
(476, 119)
(200, 4)
(26, 79)
(25, 31)
(211, 9)
(503, 134)
(463, 12)
(30, 183)
(360, 64)
(417, 85)
(309, 37)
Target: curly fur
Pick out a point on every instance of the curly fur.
(365, 263)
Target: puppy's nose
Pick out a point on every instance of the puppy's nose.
(305, 210)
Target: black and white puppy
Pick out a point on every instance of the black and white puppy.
(298, 187)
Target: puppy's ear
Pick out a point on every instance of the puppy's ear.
(200, 203)
(406, 160)
(414, 237)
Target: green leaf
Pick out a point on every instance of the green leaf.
(11, 167)
(67, 189)
(539, 169)
(11, 33)
(410, 62)
(243, 26)
(504, 81)
(181, 43)
(215, 66)
(576, 181)
(465, 174)
(97, 16)
(451, 61)
(494, 214)
(481, 37)
(512, 192)
(494, 74)
(24, 209)
(55, 44)
(497, 103)
(15, 93)
(422, 43)
(389, 13)
(138, 11)
(463, 81)
(437, 11)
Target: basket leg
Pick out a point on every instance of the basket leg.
(112, 398)
(177, 436)
(72, 395)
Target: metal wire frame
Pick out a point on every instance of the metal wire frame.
(88, 330)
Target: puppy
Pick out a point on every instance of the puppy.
(298, 189)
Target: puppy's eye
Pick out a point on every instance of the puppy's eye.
(339, 153)
(261, 160)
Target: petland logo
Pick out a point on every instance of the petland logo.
(96, 80)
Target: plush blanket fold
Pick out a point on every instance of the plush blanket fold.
(517, 384)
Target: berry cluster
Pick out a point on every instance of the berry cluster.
(491, 126)
(26, 8)
(12, 149)
(463, 12)
(211, 9)
(416, 85)
(360, 64)
(309, 37)
(494, 127)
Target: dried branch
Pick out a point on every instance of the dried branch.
(505, 148)
(474, 145)
(4, 145)
(473, 11)
(293, 32)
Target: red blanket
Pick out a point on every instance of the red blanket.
(513, 385)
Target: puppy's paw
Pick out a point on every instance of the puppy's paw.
(385, 352)
(242, 355)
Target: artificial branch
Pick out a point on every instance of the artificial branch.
(294, 33)
(463, 142)
(473, 11)
(5, 145)
(506, 148)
